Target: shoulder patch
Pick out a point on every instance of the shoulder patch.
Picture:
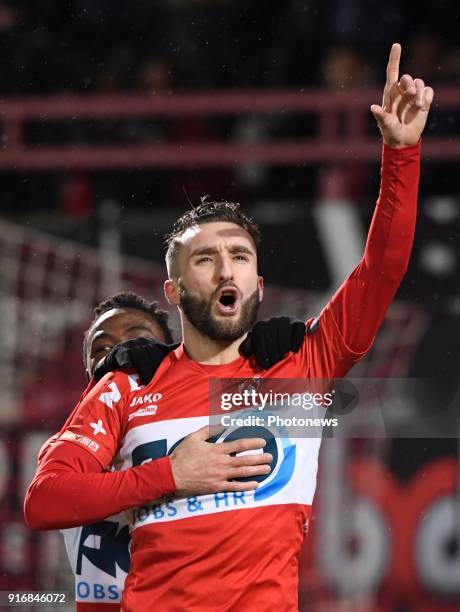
(109, 398)
(313, 327)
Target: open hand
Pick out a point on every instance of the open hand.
(201, 467)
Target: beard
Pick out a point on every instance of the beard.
(198, 312)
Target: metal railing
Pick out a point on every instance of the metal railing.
(342, 134)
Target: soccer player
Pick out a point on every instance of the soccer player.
(99, 553)
(122, 333)
(235, 551)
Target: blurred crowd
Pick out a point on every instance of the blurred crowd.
(162, 45)
(150, 46)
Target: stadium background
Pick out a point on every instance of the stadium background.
(114, 116)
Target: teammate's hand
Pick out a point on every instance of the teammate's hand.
(142, 354)
(405, 105)
(271, 340)
(200, 467)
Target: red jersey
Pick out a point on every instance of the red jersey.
(98, 553)
(235, 551)
(221, 551)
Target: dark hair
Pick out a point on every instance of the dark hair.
(207, 212)
(130, 300)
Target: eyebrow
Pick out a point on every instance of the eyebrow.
(235, 248)
(102, 335)
(139, 326)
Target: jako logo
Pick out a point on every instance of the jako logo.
(149, 398)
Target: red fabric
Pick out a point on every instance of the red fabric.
(360, 304)
(69, 488)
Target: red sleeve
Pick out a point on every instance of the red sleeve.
(69, 488)
(97, 424)
(349, 322)
(359, 306)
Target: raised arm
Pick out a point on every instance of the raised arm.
(360, 304)
(353, 316)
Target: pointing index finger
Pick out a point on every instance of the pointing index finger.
(393, 64)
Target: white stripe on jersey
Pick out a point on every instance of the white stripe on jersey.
(92, 583)
(292, 480)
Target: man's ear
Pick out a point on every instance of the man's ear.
(260, 286)
(172, 292)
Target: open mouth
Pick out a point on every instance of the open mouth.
(227, 301)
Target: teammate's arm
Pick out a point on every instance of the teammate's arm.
(71, 489)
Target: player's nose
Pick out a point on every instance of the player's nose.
(225, 269)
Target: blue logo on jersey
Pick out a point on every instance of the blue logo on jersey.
(113, 549)
(97, 591)
(279, 446)
(283, 464)
(282, 477)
